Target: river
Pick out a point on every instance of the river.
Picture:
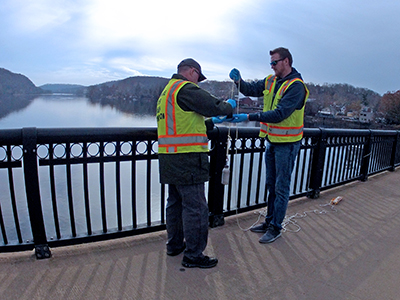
(66, 111)
(62, 110)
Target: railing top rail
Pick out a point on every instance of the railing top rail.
(10, 136)
(95, 134)
(343, 132)
(49, 135)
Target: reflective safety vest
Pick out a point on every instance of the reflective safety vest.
(178, 131)
(290, 129)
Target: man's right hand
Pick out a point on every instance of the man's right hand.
(235, 75)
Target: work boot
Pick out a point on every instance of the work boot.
(271, 235)
(201, 262)
(260, 228)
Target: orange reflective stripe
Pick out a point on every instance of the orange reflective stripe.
(283, 89)
(286, 128)
(269, 83)
(170, 103)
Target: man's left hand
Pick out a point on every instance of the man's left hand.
(217, 120)
(237, 118)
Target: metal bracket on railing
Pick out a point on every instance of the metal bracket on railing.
(42, 251)
(216, 220)
(313, 194)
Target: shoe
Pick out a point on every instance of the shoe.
(260, 228)
(271, 235)
(201, 262)
(177, 252)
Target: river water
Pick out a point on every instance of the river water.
(59, 110)
(66, 111)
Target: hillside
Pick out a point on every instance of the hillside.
(16, 92)
(75, 89)
(134, 94)
(139, 95)
(16, 84)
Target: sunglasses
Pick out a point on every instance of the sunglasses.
(275, 62)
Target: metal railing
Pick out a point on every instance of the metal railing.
(68, 186)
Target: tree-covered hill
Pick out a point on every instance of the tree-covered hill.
(16, 91)
(75, 89)
(134, 94)
(16, 84)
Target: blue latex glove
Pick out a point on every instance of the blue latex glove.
(217, 120)
(232, 102)
(235, 75)
(237, 118)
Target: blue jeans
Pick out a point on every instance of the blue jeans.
(187, 219)
(279, 160)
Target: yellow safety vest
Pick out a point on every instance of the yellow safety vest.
(290, 129)
(178, 131)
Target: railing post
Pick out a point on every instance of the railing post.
(366, 158)
(42, 249)
(317, 167)
(215, 188)
(394, 150)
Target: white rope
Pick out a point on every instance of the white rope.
(236, 170)
(288, 220)
(291, 221)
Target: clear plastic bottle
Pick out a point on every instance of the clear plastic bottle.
(225, 175)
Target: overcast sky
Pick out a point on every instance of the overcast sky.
(93, 41)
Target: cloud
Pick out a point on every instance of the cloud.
(39, 15)
(93, 41)
(158, 21)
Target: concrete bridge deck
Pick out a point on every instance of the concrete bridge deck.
(352, 253)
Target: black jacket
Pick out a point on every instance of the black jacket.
(292, 99)
(191, 168)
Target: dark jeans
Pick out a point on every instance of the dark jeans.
(279, 160)
(187, 219)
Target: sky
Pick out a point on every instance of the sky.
(88, 42)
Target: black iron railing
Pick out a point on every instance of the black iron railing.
(68, 186)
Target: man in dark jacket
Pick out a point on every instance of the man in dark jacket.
(183, 160)
(285, 96)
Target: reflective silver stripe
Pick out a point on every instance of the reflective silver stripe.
(170, 108)
(279, 131)
(263, 127)
(186, 140)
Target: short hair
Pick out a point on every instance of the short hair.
(183, 69)
(283, 53)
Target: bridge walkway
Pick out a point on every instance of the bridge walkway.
(350, 252)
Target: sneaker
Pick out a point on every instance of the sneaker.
(176, 252)
(271, 235)
(260, 228)
(201, 262)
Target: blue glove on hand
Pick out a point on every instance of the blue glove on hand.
(232, 102)
(235, 75)
(237, 118)
(217, 120)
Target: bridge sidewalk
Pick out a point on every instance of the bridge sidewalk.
(352, 253)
